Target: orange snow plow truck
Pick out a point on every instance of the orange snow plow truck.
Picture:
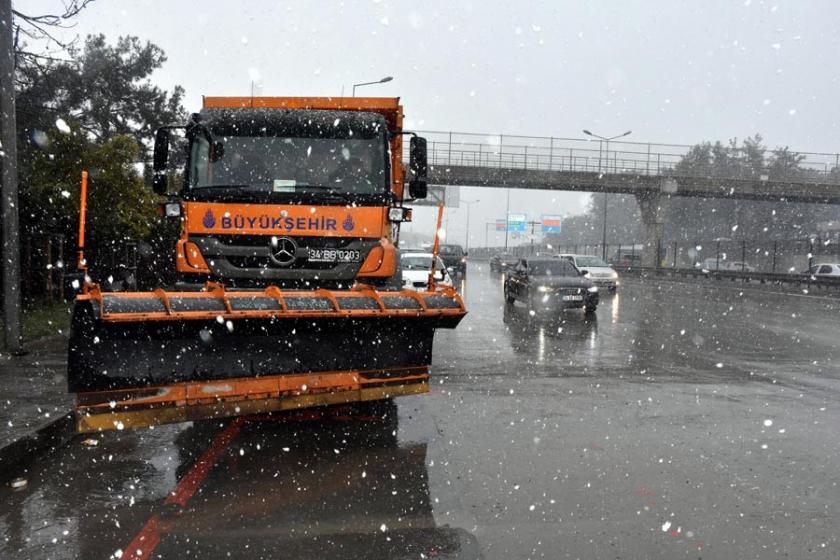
(289, 291)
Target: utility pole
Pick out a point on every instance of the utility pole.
(533, 224)
(469, 203)
(507, 219)
(9, 192)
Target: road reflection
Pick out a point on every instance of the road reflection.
(546, 337)
(315, 489)
(615, 307)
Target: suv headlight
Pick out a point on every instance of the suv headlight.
(614, 275)
(543, 289)
(592, 289)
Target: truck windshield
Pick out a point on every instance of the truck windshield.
(355, 166)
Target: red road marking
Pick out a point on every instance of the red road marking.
(191, 482)
(145, 542)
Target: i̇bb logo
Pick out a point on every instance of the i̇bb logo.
(209, 220)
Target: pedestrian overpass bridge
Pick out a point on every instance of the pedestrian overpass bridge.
(646, 170)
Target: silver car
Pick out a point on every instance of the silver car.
(594, 268)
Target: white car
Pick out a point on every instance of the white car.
(737, 266)
(713, 263)
(415, 271)
(602, 274)
(824, 270)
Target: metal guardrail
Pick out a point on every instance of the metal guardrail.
(819, 282)
(616, 157)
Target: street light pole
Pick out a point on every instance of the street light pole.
(382, 81)
(602, 139)
(9, 180)
(467, 240)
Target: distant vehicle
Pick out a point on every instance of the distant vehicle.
(738, 266)
(594, 268)
(454, 257)
(502, 262)
(627, 256)
(713, 263)
(415, 271)
(824, 270)
(550, 285)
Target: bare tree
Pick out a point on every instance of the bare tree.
(44, 28)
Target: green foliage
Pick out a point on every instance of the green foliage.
(120, 205)
(105, 95)
(748, 160)
(105, 89)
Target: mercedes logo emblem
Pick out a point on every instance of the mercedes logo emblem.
(282, 251)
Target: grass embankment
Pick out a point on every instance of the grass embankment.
(44, 318)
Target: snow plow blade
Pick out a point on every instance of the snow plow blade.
(172, 350)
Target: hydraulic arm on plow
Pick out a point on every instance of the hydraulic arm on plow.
(289, 292)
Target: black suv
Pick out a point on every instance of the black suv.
(502, 262)
(454, 257)
(550, 285)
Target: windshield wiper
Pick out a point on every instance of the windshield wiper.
(342, 195)
(218, 187)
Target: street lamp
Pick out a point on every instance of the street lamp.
(467, 243)
(602, 139)
(382, 81)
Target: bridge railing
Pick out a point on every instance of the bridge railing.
(617, 157)
(770, 256)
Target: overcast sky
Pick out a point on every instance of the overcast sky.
(672, 71)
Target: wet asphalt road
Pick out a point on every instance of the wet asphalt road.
(684, 421)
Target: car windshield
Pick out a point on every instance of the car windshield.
(451, 250)
(353, 166)
(588, 261)
(416, 262)
(551, 268)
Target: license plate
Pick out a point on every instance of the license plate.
(334, 255)
(572, 298)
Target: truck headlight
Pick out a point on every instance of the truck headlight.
(172, 209)
(396, 214)
(543, 289)
(592, 289)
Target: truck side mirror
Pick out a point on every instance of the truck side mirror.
(418, 164)
(160, 181)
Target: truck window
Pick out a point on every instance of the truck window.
(292, 164)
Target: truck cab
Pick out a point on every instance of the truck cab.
(292, 192)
